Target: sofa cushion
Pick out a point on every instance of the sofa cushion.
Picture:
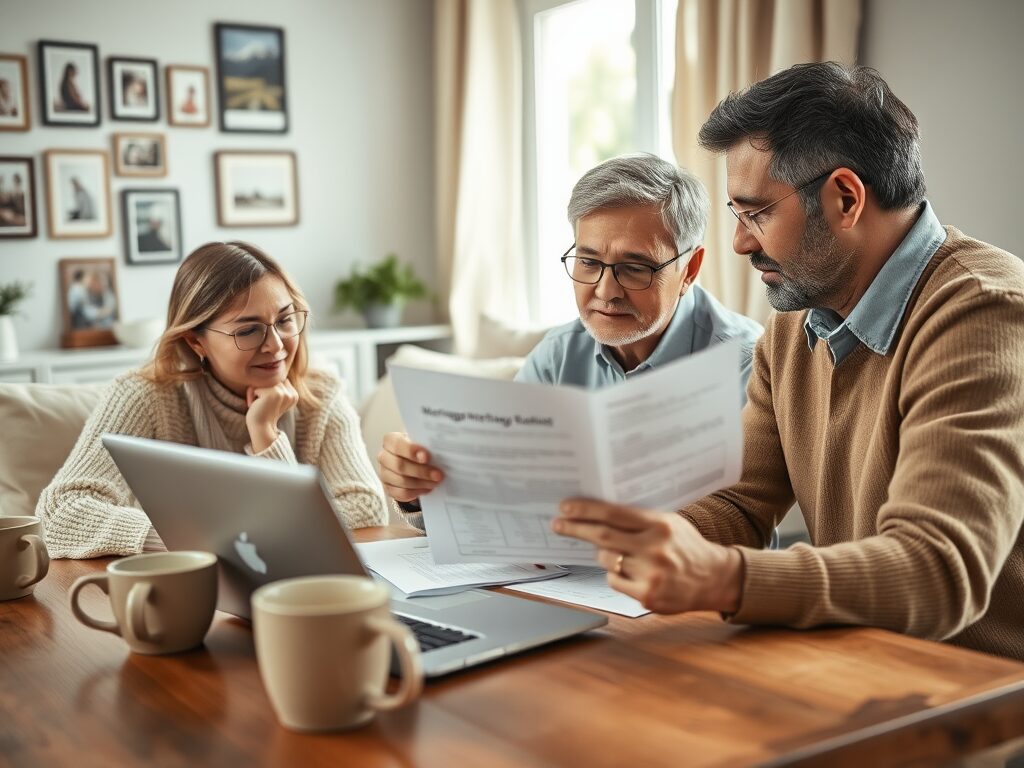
(379, 413)
(495, 339)
(40, 424)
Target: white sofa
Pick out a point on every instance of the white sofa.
(39, 423)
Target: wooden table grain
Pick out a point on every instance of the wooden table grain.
(689, 690)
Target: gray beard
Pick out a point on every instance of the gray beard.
(824, 269)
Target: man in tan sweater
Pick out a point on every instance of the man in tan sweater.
(887, 396)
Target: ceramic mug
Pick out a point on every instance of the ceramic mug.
(323, 644)
(24, 560)
(163, 602)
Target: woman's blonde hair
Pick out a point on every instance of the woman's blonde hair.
(209, 281)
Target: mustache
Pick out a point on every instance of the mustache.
(760, 261)
(615, 305)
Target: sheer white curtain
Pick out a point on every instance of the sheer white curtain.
(724, 46)
(478, 82)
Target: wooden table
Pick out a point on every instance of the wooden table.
(688, 690)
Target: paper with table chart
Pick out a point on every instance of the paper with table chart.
(511, 451)
(585, 586)
(409, 565)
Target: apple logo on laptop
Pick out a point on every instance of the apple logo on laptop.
(247, 551)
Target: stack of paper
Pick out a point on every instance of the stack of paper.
(589, 587)
(409, 565)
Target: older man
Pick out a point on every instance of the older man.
(638, 223)
(887, 395)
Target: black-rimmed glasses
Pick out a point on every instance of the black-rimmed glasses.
(252, 335)
(749, 218)
(631, 275)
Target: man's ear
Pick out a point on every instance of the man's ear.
(843, 198)
(692, 268)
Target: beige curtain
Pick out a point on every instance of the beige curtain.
(726, 45)
(478, 96)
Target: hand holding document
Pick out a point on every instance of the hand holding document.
(408, 564)
(586, 586)
(511, 452)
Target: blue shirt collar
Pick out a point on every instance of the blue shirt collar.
(875, 318)
(675, 342)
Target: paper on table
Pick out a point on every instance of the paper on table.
(586, 586)
(409, 565)
(512, 451)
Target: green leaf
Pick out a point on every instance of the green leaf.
(11, 295)
(386, 282)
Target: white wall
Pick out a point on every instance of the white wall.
(959, 65)
(359, 77)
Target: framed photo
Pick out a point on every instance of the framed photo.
(133, 89)
(88, 289)
(250, 78)
(140, 154)
(78, 193)
(188, 96)
(152, 226)
(14, 105)
(69, 83)
(256, 189)
(17, 197)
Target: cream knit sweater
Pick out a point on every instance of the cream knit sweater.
(88, 510)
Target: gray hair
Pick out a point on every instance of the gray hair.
(817, 117)
(645, 179)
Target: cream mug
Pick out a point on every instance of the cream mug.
(24, 560)
(323, 646)
(163, 602)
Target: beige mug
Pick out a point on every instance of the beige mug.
(163, 602)
(24, 560)
(323, 647)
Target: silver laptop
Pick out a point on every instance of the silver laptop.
(266, 520)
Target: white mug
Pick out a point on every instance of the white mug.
(323, 647)
(163, 602)
(24, 560)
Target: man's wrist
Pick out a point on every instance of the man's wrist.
(731, 581)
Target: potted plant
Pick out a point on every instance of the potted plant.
(380, 292)
(10, 296)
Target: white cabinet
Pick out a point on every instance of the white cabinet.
(356, 356)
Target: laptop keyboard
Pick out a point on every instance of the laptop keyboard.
(433, 636)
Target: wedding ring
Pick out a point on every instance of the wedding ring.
(618, 564)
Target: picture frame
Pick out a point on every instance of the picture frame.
(15, 109)
(89, 302)
(188, 96)
(134, 89)
(139, 154)
(69, 83)
(256, 188)
(18, 212)
(251, 86)
(152, 226)
(78, 193)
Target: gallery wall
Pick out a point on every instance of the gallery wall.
(360, 112)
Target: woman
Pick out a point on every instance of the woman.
(229, 373)
(71, 100)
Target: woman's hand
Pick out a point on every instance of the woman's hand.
(266, 407)
(405, 470)
(658, 558)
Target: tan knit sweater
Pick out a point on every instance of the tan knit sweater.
(89, 511)
(908, 467)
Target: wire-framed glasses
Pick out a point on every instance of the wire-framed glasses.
(252, 335)
(749, 218)
(631, 275)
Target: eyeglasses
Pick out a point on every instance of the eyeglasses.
(631, 275)
(252, 335)
(749, 218)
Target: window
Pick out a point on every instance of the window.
(598, 81)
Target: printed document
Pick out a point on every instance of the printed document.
(409, 565)
(586, 586)
(511, 451)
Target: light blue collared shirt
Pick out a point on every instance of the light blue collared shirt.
(570, 355)
(875, 318)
